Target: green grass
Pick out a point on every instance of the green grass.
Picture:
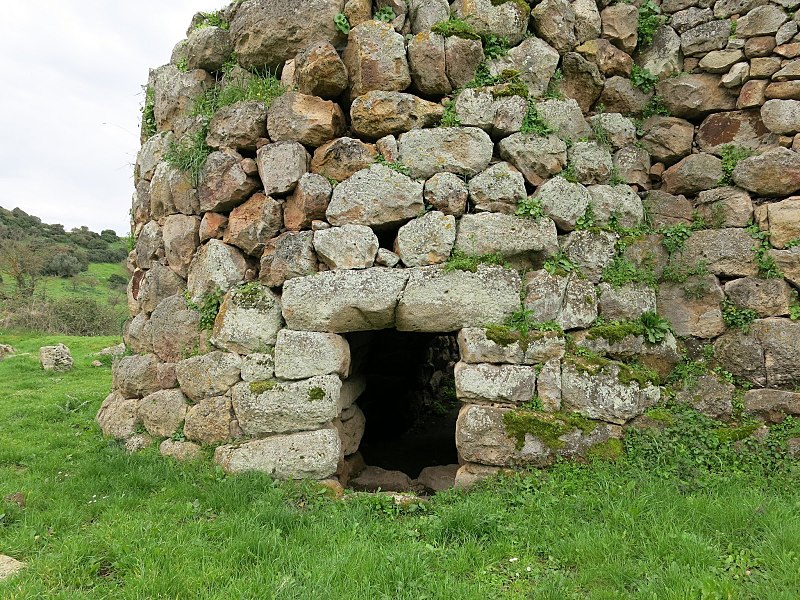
(102, 524)
(92, 283)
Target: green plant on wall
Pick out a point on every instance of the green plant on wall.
(342, 23)
(731, 155)
(736, 316)
(767, 267)
(455, 27)
(189, 155)
(530, 207)
(208, 307)
(460, 261)
(212, 19)
(533, 122)
(385, 14)
(643, 79)
(650, 19)
(149, 128)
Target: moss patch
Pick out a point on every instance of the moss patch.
(457, 28)
(267, 385)
(610, 451)
(662, 415)
(316, 393)
(592, 363)
(503, 335)
(523, 6)
(548, 427)
(615, 331)
(735, 434)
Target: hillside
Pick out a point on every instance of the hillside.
(58, 281)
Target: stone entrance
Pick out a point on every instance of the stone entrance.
(409, 403)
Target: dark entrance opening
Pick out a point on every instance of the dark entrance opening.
(410, 401)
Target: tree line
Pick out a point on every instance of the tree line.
(30, 249)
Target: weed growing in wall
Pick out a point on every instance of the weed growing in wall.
(449, 117)
(675, 237)
(559, 264)
(736, 316)
(189, 155)
(553, 91)
(394, 165)
(731, 155)
(385, 14)
(767, 268)
(643, 79)
(621, 271)
(208, 307)
(460, 261)
(587, 220)
(650, 19)
(533, 122)
(653, 327)
(342, 23)
(238, 87)
(656, 106)
(149, 128)
(530, 207)
(494, 46)
(678, 272)
(212, 19)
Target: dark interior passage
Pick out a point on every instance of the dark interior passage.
(410, 402)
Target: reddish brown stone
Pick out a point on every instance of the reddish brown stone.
(212, 226)
(752, 94)
(788, 50)
(759, 46)
(764, 68)
(742, 128)
(783, 90)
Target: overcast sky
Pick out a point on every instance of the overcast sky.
(69, 109)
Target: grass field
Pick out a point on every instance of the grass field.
(99, 523)
(92, 283)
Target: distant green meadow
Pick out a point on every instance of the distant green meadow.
(100, 523)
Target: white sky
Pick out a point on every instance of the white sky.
(69, 109)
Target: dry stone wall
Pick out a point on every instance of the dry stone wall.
(590, 194)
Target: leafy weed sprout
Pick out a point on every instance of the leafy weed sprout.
(533, 122)
(650, 19)
(212, 19)
(530, 207)
(559, 264)
(342, 23)
(149, 128)
(385, 14)
(643, 79)
(767, 268)
(736, 316)
(731, 155)
(208, 307)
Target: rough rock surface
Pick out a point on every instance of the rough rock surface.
(269, 32)
(460, 150)
(55, 358)
(435, 300)
(286, 406)
(303, 455)
(341, 301)
(376, 197)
